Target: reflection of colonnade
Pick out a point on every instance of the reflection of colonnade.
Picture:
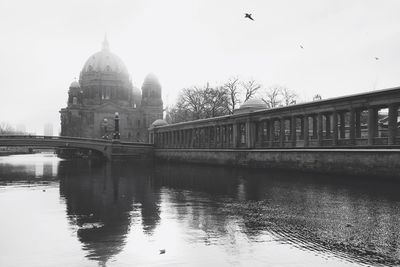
(339, 122)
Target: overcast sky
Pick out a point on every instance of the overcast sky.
(44, 44)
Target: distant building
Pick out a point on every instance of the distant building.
(20, 128)
(48, 129)
(105, 88)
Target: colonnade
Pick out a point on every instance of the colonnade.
(323, 124)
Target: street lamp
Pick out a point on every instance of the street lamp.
(116, 123)
(105, 124)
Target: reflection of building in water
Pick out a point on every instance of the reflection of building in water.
(100, 202)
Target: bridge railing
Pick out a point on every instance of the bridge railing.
(364, 120)
(71, 138)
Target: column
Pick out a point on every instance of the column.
(235, 135)
(314, 126)
(320, 130)
(250, 134)
(358, 123)
(271, 132)
(342, 123)
(293, 130)
(328, 126)
(302, 128)
(372, 125)
(352, 126)
(392, 124)
(335, 128)
(282, 132)
(306, 131)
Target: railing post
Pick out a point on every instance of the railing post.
(392, 124)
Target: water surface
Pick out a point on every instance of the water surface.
(84, 213)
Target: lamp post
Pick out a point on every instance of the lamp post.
(116, 128)
(105, 123)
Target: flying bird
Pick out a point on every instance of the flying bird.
(376, 58)
(162, 251)
(247, 15)
(301, 47)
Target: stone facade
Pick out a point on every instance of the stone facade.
(105, 88)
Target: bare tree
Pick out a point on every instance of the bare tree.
(6, 128)
(217, 101)
(251, 87)
(289, 96)
(271, 96)
(233, 91)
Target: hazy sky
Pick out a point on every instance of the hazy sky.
(44, 44)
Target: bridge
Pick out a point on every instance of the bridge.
(356, 133)
(108, 148)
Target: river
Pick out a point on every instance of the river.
(84, 213)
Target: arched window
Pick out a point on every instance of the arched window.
(90, 68)
(108, 68)
(74, 100)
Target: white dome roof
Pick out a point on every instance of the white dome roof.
(159, 122)
(254, 103)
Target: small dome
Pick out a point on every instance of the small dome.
(74, 84)
(151, 80)
(159, 122)
(251, 105)
(254, 103)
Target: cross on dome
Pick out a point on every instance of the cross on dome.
(105, 44)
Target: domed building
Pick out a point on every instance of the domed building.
(105, 88)
(251, 105)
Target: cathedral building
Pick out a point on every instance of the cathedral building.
(104, 89)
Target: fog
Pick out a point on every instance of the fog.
(45, 43)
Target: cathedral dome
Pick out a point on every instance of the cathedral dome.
(105, 61)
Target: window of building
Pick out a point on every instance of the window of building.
(74, 100)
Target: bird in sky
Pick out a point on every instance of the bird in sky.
(301, 47)
(162, 251)
(376, 58)
(247, 15)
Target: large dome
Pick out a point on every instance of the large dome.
(104, 61)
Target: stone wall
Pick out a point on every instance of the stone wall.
(372, 162)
